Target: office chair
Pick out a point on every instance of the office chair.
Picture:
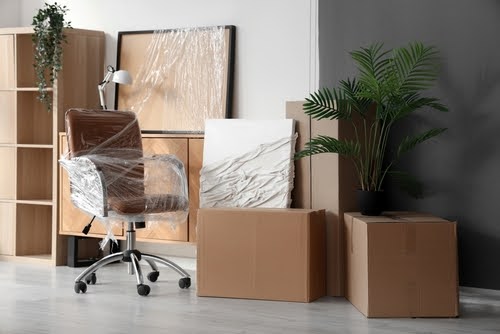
(111, 179)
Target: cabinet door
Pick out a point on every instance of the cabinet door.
(195, 163)
(156, 231)
(71, 219)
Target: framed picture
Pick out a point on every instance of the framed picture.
(180, 77)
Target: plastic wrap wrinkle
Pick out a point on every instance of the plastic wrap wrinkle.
(185, 68)
(112, 180)
(242, 181)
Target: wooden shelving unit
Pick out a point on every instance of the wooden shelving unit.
(29, 139)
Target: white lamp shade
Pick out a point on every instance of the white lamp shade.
(122, 77)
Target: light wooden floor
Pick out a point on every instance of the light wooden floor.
(40, 299)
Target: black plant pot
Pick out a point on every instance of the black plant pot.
(371, 203)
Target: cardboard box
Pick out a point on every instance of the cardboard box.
(401, 264)
(325, 181)
(271, 254)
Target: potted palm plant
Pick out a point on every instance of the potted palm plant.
(389, 87)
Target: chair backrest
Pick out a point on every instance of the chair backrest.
(112, 138)
(96, 131)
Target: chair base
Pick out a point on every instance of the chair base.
(132, 257)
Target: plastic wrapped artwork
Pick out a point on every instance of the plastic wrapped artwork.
(180, 76)
(111, 179)
(255, 169)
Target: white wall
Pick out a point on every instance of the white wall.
(9, 13)
(274, 49)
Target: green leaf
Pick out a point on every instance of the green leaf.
(416, 66)
(325, 144)
(327, 103)
(409, 142)
(48, 24)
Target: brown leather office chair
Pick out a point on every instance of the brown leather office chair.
(111, 179)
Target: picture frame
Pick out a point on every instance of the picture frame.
(180, 77)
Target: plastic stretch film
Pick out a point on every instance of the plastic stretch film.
(111, 179)
(255, 169)
(259, 178)
(180, 77)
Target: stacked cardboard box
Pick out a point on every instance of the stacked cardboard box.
(325, 181)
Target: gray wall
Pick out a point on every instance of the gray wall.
(461, 168)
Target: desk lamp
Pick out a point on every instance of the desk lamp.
(120, 77)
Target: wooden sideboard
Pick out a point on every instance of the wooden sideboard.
(187, 147)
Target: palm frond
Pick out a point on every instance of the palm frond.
(352, 89)
(416, 66)
(325, 144)
(372, 63)
(404, 105)
(409, 142)
(326, 103)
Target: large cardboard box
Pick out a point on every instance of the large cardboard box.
(271, 254)
(325, 181)
(401, 264)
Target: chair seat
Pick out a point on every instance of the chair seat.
(148, 204)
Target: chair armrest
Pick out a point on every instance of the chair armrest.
(165, 174)
(87, 184)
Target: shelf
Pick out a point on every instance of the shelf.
(34, 122)
(25, 60)
(48, 146)
(33, 230)
(34, 183)
(32, 89)
(29, 202)
(35, 202)
(25, 89)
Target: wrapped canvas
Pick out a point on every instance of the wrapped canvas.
(247, 163)
(180, 76)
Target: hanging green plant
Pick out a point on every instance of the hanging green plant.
(48, 25)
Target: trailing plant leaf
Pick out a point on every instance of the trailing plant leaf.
(48, 36)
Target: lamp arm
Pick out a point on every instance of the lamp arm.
(101, 87)
(101, 96)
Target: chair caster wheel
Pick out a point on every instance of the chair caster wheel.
(80, 287)
(91, 279)
(185, 282)
(153, 276)
(143, 289)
